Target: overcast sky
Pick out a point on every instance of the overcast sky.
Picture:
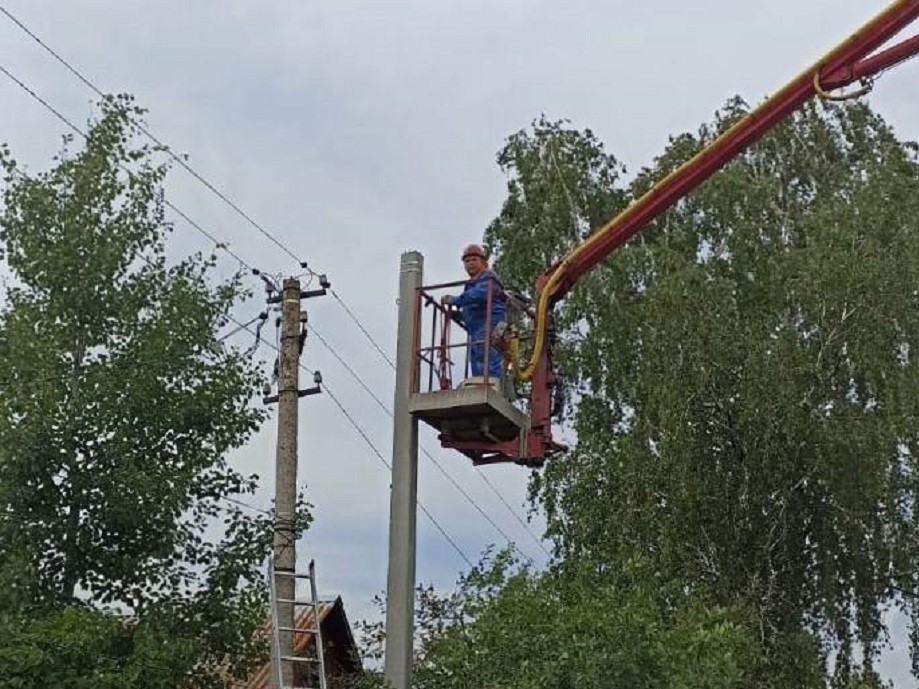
(356, 131)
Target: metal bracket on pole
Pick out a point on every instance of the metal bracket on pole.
(324, 284)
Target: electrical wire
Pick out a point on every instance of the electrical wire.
(218, 244)
(210, 186)
(376, 451)
(222, 246)
(262, 316)
(370, 338)
(392, 365)
(360, 430)
(247, 505)
(181, 161)
(184, 164)
(68, 376)
(437, 464)
(380, 456)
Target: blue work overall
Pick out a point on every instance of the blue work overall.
(473, 306)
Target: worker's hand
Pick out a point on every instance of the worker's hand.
(447, 300)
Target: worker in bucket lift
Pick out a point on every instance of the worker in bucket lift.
(473, 307)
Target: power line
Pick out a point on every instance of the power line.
(392, 365)
(224, 247)
(210, 186)
(360, 430)
(247, 505)
(219, 194)
(360, 325)
(379, 455)
(218, 244)
(182, 162)
(198, 176)
(69, 376)
(261, 317)
(437, 464)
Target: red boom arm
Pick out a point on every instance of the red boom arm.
(842, 66)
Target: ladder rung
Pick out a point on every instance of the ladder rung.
(294, 601)
(292, 574)
(297, 630)
(300, 659)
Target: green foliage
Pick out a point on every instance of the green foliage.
(77, 648)
(117, 408)
(560, 185)
(508, 627)
(747, 381)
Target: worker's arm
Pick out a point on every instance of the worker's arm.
(478, 293)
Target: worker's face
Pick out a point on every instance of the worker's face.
(473, 265)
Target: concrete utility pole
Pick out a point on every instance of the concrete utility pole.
(293, 337)
(286, 471)
(400, 595)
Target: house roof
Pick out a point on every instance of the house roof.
(329, 611)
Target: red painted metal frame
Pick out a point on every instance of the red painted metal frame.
(871, 65)
(491, 452)
(436, 356)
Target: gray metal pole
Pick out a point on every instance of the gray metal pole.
(286, 470)
(400, 595)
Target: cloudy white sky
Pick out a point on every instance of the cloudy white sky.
(356, 131)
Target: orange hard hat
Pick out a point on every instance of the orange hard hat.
(474, 250)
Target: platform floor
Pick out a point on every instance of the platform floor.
(473, 413)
